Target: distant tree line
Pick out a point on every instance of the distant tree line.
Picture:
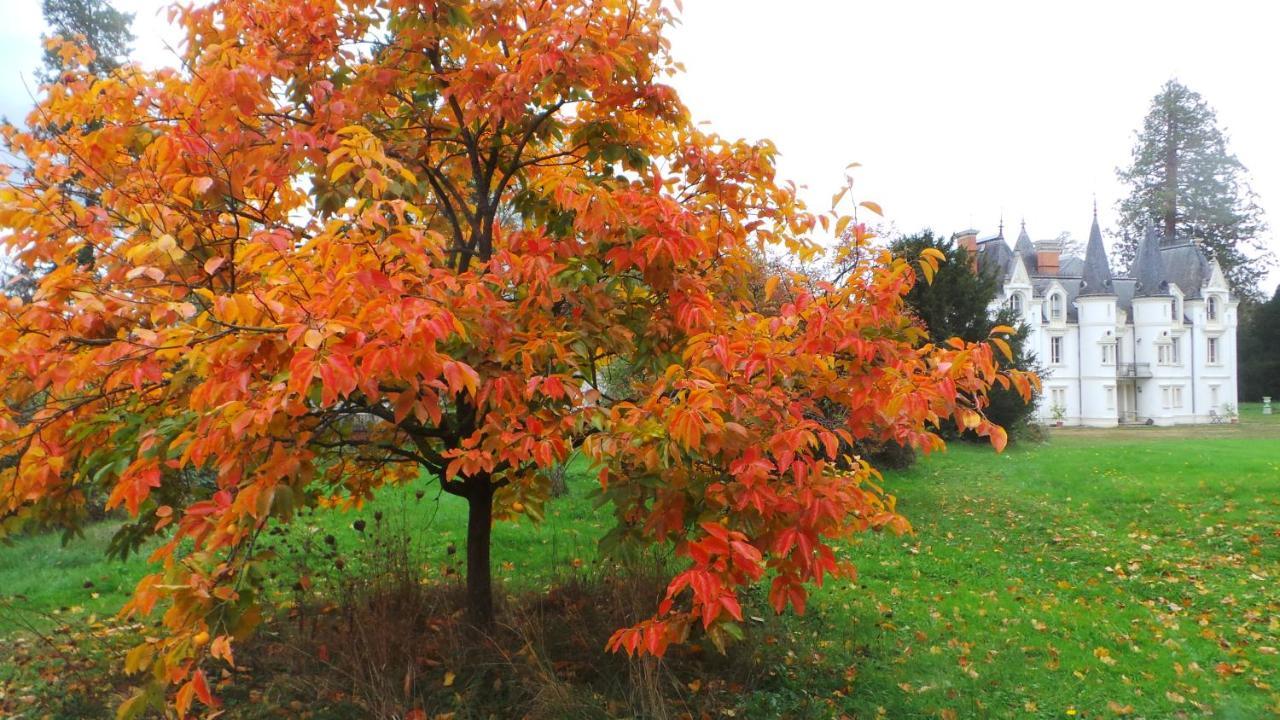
(1258, 349)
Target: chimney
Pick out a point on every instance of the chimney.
(968, 239)
(1047, 256)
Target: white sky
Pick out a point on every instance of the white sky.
(958, 111)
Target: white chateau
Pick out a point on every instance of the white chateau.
(1158, 347)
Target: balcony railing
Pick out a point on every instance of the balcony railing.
(1133, 370)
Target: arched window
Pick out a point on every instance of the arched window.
(1015, 304)
(1211, 307)
(1055, 306)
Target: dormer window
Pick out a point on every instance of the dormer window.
(1015, 304)
(1055, 307)
(1211, 307)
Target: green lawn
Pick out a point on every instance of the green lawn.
(1103, 573)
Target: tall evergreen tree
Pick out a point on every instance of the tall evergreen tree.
(1183, 180)
(104, 29)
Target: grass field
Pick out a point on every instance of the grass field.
(1128, 572)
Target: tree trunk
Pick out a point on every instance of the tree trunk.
(479, 531)
(1171, 177)
(559, 485)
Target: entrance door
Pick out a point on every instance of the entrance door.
(1129, 400)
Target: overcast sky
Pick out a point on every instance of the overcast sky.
(958, 111)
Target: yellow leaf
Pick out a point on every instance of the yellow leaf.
(1002, 330)
(448, 678)
(132, 707)
(835, 199)
(769, 286)
(873, 207)
(340, 170)
(313, 339)
(138, 658)
(842, 223)
(928, 269)
(1004, 347)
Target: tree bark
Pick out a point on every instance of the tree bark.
(479, 532)
(559, 485)
(1171, 176)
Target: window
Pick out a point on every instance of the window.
(1015, 304)
(1213, 395)
(1175, 310)
(1058, 396)
(1055, 307)
(1165, 396)
(1177, 396)
(1111, 397)
(1213, 351)
(1211, 307)
(1168, 354)
(1108, 354)
(1055, 350)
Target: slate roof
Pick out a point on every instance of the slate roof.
(1097, 271)
(1148, 266)
(1071, 266)
(1027, 250)
(1159, 263)
(994, 256)
(1124, 294)
(1187, 266)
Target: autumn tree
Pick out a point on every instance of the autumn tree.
(97, 23)
(958, 303)
(106, 32)
(352, 242)
(1183, 180)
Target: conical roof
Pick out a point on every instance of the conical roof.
(1148, 266)
(1026, 249)
(1097, 271)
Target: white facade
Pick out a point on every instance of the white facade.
(1122, 350)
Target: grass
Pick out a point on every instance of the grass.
(1100, 574)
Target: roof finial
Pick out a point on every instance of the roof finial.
(1001, 233)
(1095, 206)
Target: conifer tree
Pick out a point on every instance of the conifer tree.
(1183, 180)
(1259, 351)
(957, 303)
(104, 29)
